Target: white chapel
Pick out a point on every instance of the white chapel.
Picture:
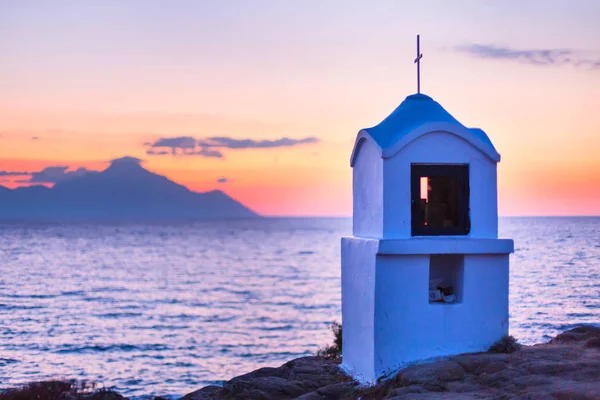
(424, 273)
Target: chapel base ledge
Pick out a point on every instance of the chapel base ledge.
(437, 245)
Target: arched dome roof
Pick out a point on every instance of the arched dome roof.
(411, 119)
(414, 111)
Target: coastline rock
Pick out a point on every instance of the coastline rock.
(567, 367)
(578, 334)
(58, 390)
(293, 379)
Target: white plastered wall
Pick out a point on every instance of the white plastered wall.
(358, 310)
(408, 328)
(439, 148)
(367, 188)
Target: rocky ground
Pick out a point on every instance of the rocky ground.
(568, 367)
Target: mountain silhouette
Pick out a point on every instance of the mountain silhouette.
(125, 190)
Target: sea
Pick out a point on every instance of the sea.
(163, 309)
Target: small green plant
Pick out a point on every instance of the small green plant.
(335, 350)
(508, 344)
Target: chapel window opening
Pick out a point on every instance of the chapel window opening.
(440, 199)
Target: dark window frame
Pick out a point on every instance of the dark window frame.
(461, 172)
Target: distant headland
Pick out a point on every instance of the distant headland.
(125, 190)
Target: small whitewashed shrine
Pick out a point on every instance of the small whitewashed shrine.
(424, 274)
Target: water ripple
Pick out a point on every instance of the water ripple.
(163, 309)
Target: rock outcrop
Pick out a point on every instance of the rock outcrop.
(293, 379)
(567, 367)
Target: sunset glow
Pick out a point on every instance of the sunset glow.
(82, 83)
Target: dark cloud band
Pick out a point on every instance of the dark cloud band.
(54, 175)
(226, 142)
(212, 147)
(14, 173)
(540, 57)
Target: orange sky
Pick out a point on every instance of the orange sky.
(91, 84)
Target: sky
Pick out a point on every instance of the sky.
(263, 99)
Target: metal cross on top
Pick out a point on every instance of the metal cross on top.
(418, 62)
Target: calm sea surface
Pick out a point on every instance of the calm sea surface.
(163, 309)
